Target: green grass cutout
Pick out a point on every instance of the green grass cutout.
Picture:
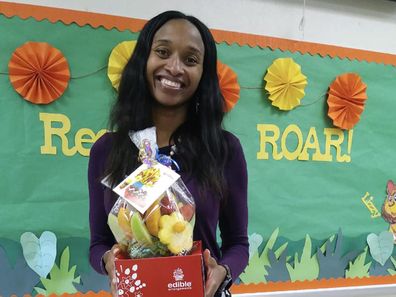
(305, 268)
(331, 261)
(277, 271)
(256, 271)
(358, 268)
(61, 278)
(391, 271)
(330, 240)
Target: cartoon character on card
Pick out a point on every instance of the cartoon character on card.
(389, 207)
(136, 192)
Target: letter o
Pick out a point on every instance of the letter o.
(292, 155)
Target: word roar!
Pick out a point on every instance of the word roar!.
(334, 138)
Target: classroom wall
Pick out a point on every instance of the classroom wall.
(363, 24)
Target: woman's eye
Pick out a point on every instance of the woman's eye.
(162, 53)
(191, 61)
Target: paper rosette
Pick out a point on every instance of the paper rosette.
(229, 86)
(119, 57)
(346, 100)
(39, 72)
(285, 83)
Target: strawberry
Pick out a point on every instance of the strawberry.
(167, 205)
(187, 211)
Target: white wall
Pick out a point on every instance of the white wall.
(363, 24)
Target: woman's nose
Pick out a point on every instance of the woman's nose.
(174, 65)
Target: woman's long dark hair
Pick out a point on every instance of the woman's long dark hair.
(202, 148)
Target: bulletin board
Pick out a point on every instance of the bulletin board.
(319, 176)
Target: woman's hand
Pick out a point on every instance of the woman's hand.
(215, 274)
(108, 259)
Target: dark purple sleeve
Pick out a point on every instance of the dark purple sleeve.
(101, 237)
(233, 218)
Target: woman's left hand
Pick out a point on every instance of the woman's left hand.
(215, 274)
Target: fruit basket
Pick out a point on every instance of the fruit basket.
(155, 213)
(164, 229)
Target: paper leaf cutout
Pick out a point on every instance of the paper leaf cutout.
(119, 57)
(285, 83)
(277, 270)
(18, 280)
(229, 86)
(306, 268)
(358, 268)
(255, 240)
(381, 247)
(332, 263)
(40, 253)
(61, 278)
(39, 72)
(346, 100)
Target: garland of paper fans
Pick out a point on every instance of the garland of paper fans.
(228, 79)
(39, 72)
(286, 84)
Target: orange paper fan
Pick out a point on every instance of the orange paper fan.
(346, 100)
(39, 72)
(229, 86)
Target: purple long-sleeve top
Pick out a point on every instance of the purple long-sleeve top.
(232, 217)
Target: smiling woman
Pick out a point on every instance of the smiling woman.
(171, 82)
(175, 64)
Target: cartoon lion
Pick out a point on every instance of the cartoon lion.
(389, 208)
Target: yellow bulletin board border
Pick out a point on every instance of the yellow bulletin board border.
(95, 20)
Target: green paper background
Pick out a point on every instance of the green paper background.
(49, 192)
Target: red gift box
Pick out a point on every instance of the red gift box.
(180, 276)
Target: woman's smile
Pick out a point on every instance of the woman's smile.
(169, 83)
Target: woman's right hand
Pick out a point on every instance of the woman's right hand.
(108, 259)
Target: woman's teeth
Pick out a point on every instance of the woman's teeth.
(170, 84)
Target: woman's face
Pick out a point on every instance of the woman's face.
(175, 63)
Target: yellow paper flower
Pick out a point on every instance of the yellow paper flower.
(285, 83)
(118, 58)
(176, 233)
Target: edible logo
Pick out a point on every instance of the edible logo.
(179, 282)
